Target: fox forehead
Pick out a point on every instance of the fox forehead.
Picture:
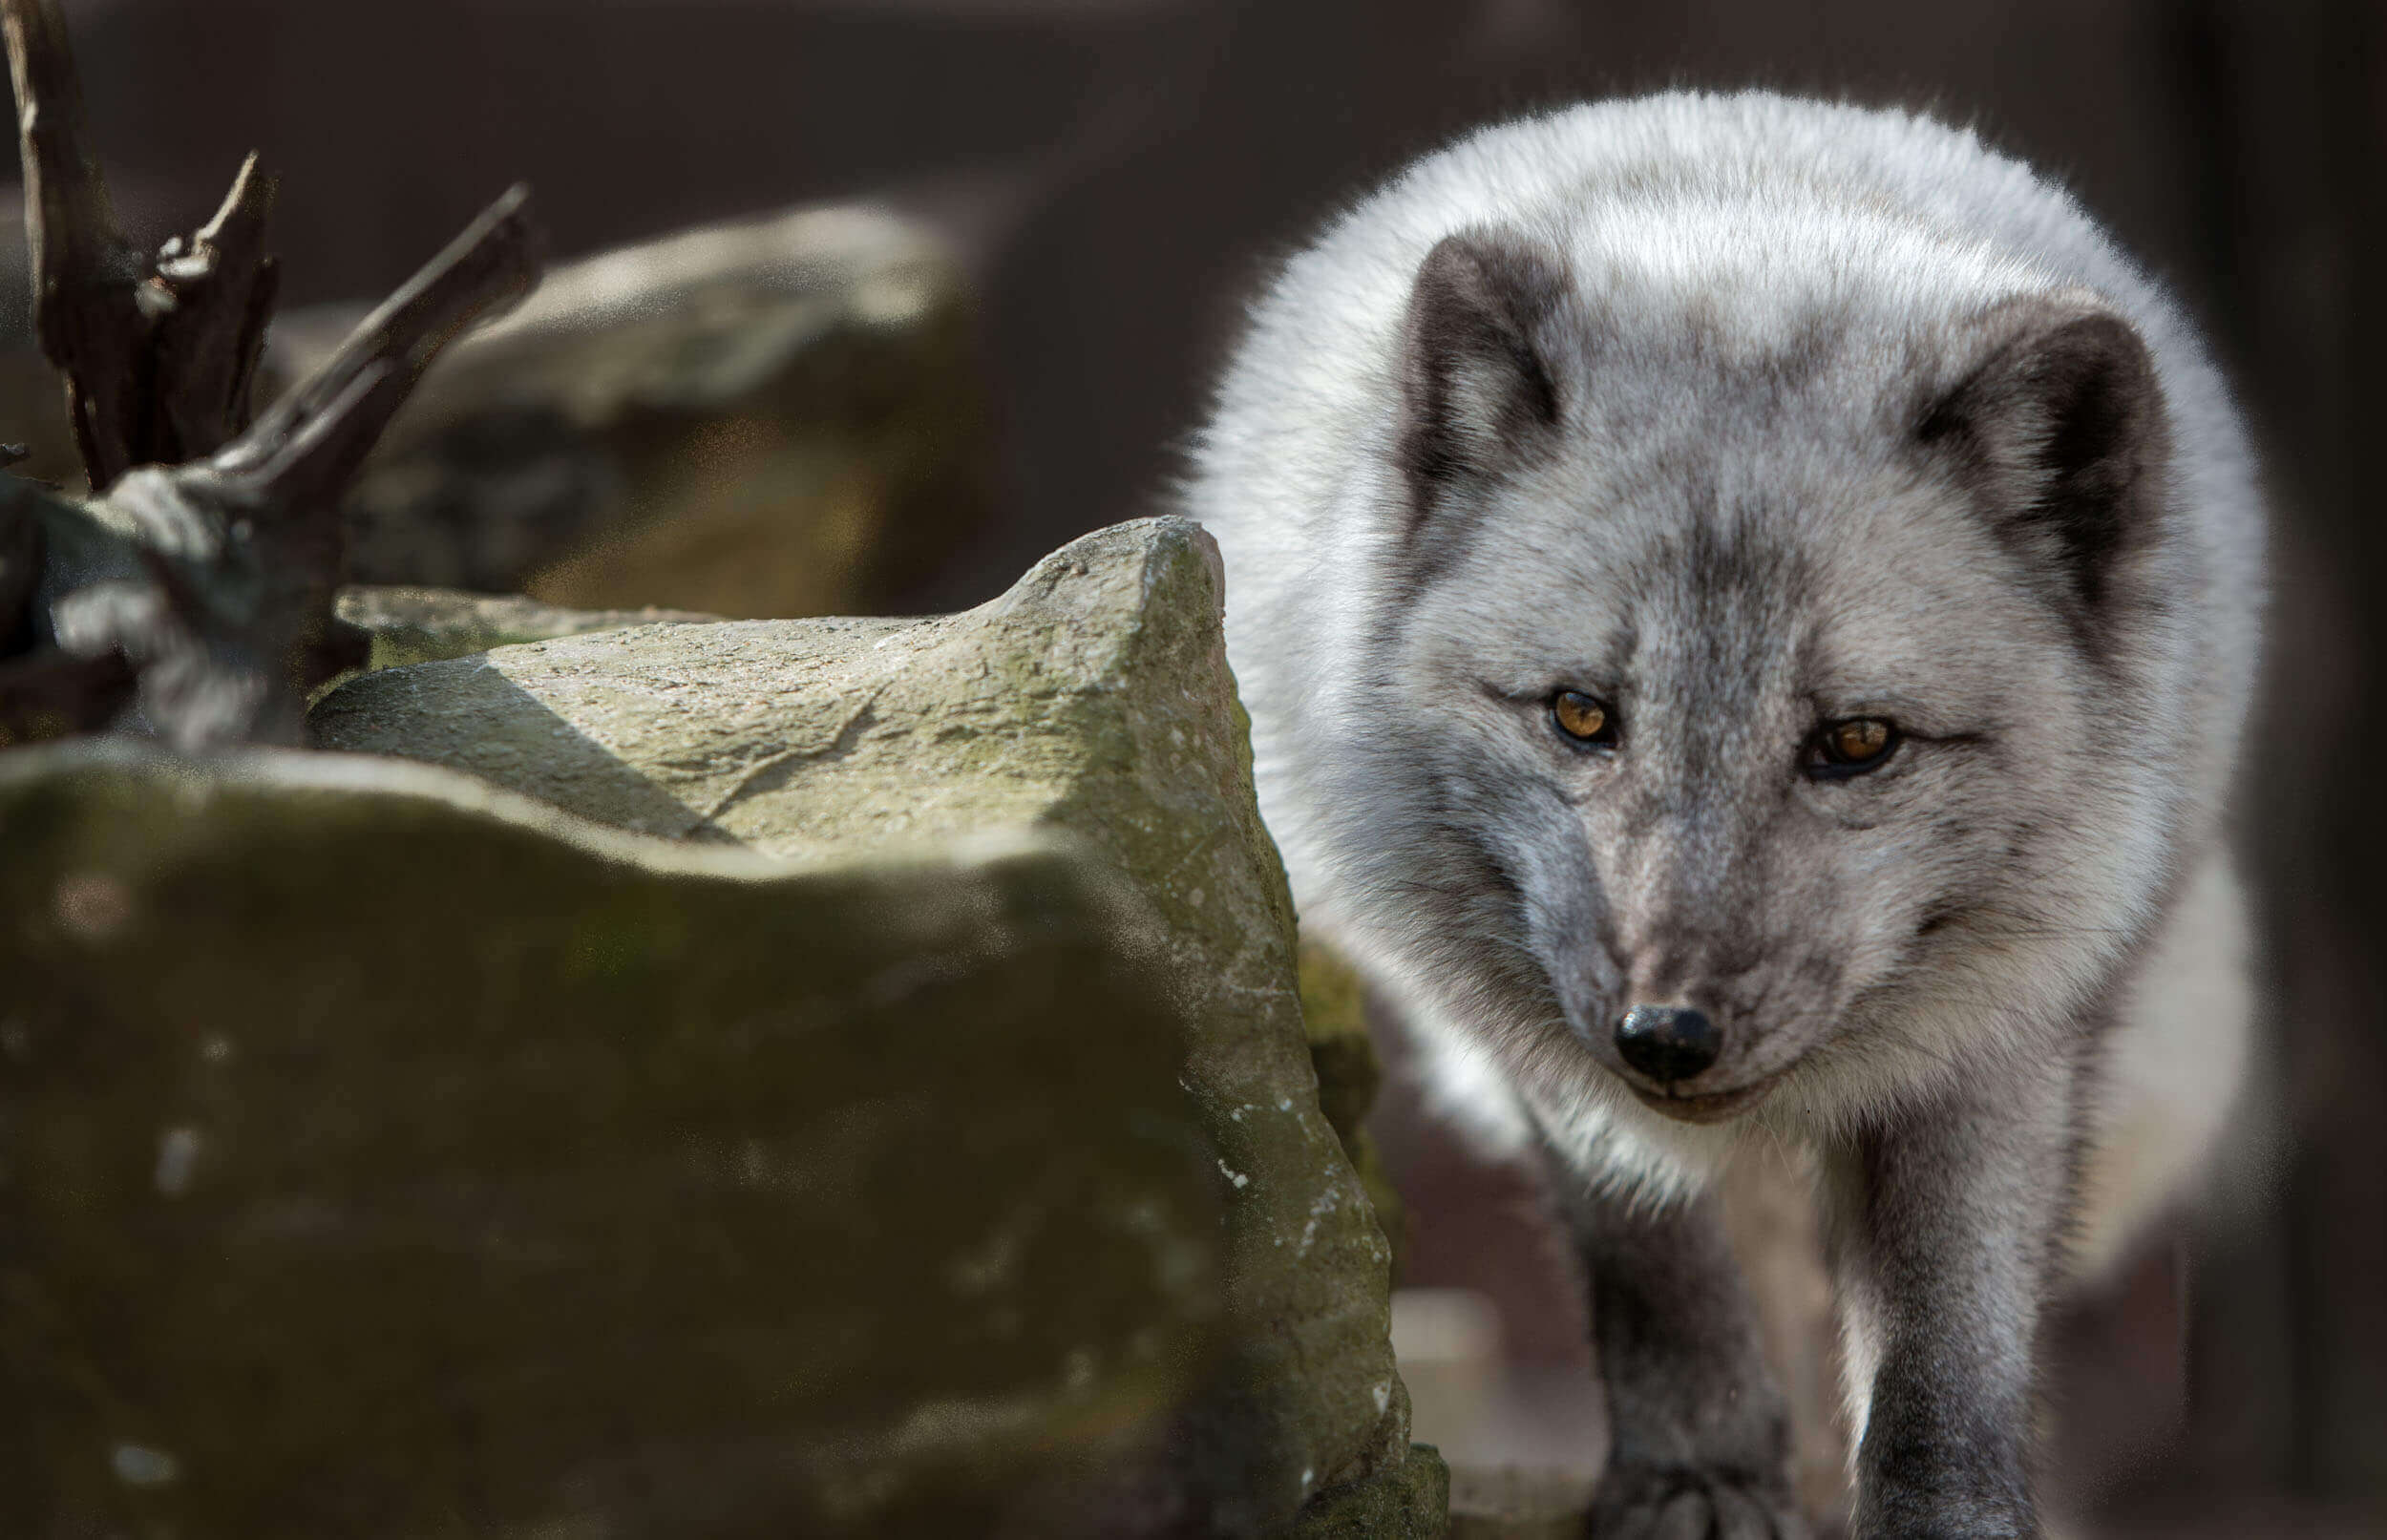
(1867, 592)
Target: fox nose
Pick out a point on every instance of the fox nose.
(1668, 1042)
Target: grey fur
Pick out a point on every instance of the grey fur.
(1701, 1445)
(1746, 414)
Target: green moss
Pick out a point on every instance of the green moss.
(1334, 1008)
(1409, 1502)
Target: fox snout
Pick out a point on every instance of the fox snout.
(1668, 1042)
(1672, 1056)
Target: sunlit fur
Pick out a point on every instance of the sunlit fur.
(1734, 546)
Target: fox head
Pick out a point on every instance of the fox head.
(1778, 683)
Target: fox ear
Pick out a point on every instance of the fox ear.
(1477, 393)
(2060, 433)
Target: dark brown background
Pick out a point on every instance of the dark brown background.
(1118, 174)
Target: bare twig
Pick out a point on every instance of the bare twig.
(310, 443)
(158, 351)
(207, 343)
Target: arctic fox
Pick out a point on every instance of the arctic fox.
(1747, 607)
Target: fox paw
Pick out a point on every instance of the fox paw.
(1641, 1503)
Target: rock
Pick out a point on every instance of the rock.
(779, 417)
(385, 1156)
(1333, 1009)
(1411, 1502)
(1093, 697)
(422, 624)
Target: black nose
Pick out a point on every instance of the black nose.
(1668, 1042)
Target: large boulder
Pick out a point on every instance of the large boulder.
(382, 1155)
(781, 416)
(1095, 698)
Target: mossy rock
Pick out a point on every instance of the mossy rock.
(382, 1155)
(1334, 1008)
(1409, 1502)
(1092, 698)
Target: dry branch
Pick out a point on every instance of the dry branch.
(159, 352)
(213, 581)
(191, 595)
(310, 442)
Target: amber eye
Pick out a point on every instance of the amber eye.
(1851, 747)
(1583, 718)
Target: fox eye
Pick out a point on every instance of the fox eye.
(1583, 719)
(1853, 746)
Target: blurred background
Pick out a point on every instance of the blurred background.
(1103, 183)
